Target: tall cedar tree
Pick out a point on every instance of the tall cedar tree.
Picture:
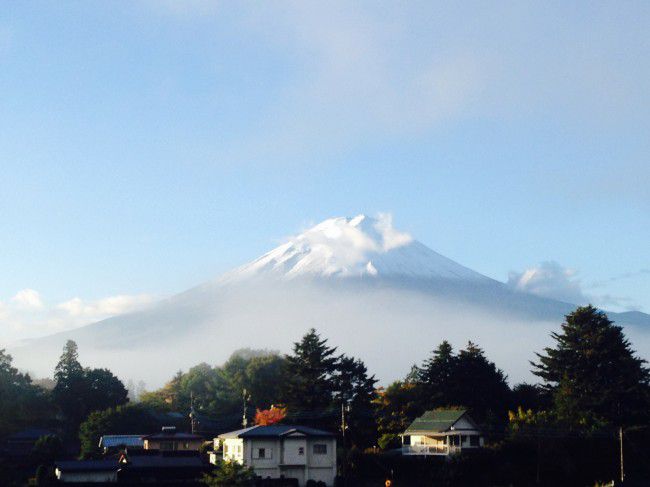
(71, 388)
(593, 373)
(355, 392)
(79, 391)
(310, 389)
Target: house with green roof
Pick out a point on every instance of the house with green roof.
(442, 432)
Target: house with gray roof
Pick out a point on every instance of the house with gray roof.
(442, 432)
(114, 443)
(280, 450)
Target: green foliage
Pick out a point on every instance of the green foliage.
(466, 379)
(120, 420)
(46, 449)
(229, 474)
(217, 391)
(396, 407)
(530, 396)
(593, 373)
(355, 390)
(79, 391)
(309, 385)
(21, 402)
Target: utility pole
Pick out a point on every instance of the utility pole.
(343, 425)
(620, 441)
(245, 398)
(192, 413)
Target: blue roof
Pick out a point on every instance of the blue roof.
(112, 441)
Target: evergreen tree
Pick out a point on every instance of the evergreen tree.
(355, 392)
(71, 388)
(436, 377)
(480, 386)
(309, 387)
(79, 391)
(21, 402)
(104, 390)
(593, 373)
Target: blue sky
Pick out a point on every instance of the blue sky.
(148, 146)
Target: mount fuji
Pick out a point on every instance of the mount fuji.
(372, 290)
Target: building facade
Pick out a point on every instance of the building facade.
(283, 451)
(171, 440)
(442, 432)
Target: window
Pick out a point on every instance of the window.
(474, 440)
(262, 453)
(320, 449)
(167, 446)
(301, 450)
(225, 449)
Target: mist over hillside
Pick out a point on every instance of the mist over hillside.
(373, 291)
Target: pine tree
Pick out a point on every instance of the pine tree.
(435, 377)
(355, 392)
(310, 388)
(593, 373)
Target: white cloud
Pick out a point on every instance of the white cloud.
(549, 280)
(27, 299)
(26, 315)
(103, 308)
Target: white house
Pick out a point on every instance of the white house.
(273, 451)
(442, 432)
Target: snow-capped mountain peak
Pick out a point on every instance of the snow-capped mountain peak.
(353, 247)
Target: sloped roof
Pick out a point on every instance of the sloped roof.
(436, 421)
(173, 435)
(86, 465)
(274, 430)
(163, 461)
(111, 441)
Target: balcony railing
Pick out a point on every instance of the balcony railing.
(428, 449)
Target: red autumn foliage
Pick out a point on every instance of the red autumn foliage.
(266, 417)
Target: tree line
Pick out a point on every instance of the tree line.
(590, 382)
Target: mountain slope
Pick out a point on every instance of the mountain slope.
(354, 247)
(371, 289)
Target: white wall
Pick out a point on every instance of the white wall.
(78, 477)
(233, 450)
(292, 448)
